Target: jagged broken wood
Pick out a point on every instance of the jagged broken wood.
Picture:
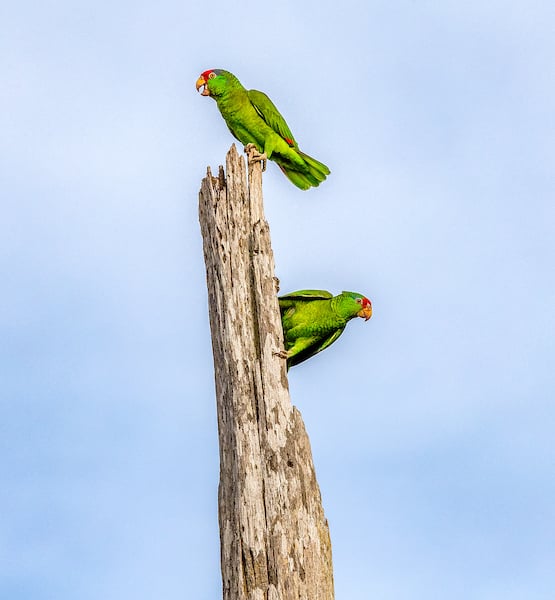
(275, 542)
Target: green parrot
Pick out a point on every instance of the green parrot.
(254, 120)
(314, 319)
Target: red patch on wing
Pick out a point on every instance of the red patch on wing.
(289, 141)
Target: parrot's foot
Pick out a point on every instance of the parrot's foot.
(276, 282)
(253, 155)
(281, 354)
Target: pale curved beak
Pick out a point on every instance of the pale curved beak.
(200, 83)
(365, 313)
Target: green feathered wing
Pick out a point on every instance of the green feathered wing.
(300, 168)
(271, 116)
(293, 298)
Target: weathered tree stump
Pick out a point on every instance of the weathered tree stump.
(275, 542)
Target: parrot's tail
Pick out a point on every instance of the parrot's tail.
(314, 173)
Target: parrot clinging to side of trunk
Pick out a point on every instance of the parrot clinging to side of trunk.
(314, 319)
(254, 120)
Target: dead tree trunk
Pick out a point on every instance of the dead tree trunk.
(275, 542)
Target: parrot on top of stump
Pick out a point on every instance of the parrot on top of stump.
(254, 120)
(314, 319)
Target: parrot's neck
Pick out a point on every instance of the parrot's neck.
(231, 101)
(340, 309)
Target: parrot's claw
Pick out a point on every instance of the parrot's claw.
(282, 354)
(276, 282)
(253, 155)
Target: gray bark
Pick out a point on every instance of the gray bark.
(275, 541)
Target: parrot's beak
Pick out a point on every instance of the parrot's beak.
(365, 313)
(200, 83)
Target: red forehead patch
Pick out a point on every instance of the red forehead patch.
(206, 73)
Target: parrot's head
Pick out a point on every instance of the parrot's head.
(359, 304)
(213, 82)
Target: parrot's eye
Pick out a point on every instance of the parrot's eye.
(212, 75)
(359, 300)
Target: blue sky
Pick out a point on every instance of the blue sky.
(431, 425)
